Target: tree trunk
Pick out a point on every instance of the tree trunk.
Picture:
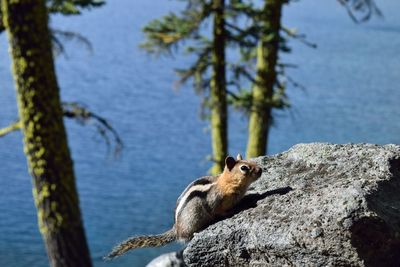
(267, 55)
(1, 23)
(45, 140)
(218, 91)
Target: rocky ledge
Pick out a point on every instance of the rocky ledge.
(315, 205)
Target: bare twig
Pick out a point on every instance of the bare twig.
(58, 46)
(80, 113)
(365, 9)
(10, 128)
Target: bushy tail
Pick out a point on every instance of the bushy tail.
(141, 242)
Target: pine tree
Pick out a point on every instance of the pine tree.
(269, 79)
(45, 140)
(265, 80)
(260, 41)
(256, 34)
(208, 71)
(218, 105)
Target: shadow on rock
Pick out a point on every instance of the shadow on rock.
(375, 242)
(250, 201)
(375, 237)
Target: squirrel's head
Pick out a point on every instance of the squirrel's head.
(242, 169)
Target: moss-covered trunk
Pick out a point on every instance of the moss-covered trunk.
(218, 107)
(45, 140)
(263, 90)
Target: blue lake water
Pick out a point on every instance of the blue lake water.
(352, 95)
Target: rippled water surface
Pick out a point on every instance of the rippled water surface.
(352, 95)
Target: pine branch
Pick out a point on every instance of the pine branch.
(72, 7)
(238, 7)
(58, 46)
(295, 83)
(301, 37)
(82, 115)
(241, 71)
(198, 69)
(252, 31)
(166, 33)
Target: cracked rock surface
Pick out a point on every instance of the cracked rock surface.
(315, 205)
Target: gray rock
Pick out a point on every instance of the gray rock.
(315, 205)
(173, 259)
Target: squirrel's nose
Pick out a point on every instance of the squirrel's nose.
(259, 171)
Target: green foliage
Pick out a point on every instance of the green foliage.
(165, 35)
(247, 37)
(71, 7)
(243, 100)
(244, 29)
(65, 7)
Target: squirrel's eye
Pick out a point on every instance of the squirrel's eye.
(244, 168)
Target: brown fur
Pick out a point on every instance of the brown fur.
(233, 183)
(204, 200)
(141, 242)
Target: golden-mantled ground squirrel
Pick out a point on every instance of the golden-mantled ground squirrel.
(202, 203)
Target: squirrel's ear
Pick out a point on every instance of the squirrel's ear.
(230, 162)
(239, 157)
